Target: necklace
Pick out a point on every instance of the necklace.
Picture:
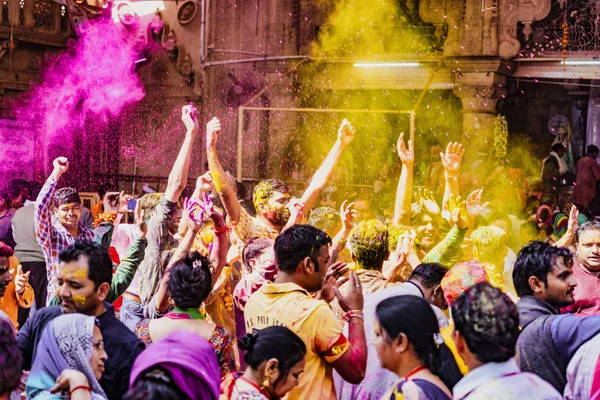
(415, 371)
(186, 313)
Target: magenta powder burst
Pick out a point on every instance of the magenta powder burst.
(89, 83)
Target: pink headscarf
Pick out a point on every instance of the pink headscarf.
(188, 358)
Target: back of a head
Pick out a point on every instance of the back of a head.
(190, 281)
(276, 342)
(490, 243)
(394, 233)
(155, 384)
(325, 218)
(558, 147)
(66, 195)
(98, 259)
(429, 274)
(592, 149)
(489, 322)
(414, 317)
(461, 277)
(10, 358)
(296, 243)
(369, 244)
(497, 218)
(149, 201)
(182, 365)
(253, 248)
(265, 189)
(34, 190)
(536, 259)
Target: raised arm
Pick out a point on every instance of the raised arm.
(133, 258)
(220, 245)
(179, 174)
(451, 161)
(161, 298)
(219, 176)
(352, 365)
(567, 238)
(347, 214)
(43, 204)
(323, 175)
(404, 191)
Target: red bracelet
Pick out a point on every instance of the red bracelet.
(223, 229)
(80, 387)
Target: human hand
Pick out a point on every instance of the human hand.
(573, 220)
(204, 183)
(61, 165)
(21, 280)
(406, 243)
(347, 214)
(116, 201)
(458, 212)
(426, 199)
(354, 297)
(213, 128)
(346, 132)
(69, 378)
(189, 118)
(407, 155)
(334, 278)
(139, 216)
(296, 209)
(474, 206)
(453, 157)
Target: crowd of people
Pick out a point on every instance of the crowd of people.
(206, 296)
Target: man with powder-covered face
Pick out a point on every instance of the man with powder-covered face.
(84, 277)
(57, 214)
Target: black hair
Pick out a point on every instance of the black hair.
(429, 274)
(99, 262)
(34, 190)
(155, 384)
(265, 189)
(556, 147)
(414, 317)
(190, 281)
(536, 259)
(66, 195)
(273, 342)
(591, 225)
(296, 243)
(591, 149)
(11, 359)
(489, 321)
(254, 248)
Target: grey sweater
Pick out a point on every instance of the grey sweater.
(23, 226)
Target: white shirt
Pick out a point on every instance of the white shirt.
(503, 381)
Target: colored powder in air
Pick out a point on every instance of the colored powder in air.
(86, 85)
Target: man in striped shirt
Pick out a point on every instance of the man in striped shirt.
(57, 214)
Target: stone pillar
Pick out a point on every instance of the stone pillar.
(479, 110)
(479, 83)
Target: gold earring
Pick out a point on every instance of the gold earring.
(266, 383)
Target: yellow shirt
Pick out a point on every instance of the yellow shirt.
(287, 304)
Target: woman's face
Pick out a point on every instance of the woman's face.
(99, 356)
(290, 381)
(383, 346)
(426, 232)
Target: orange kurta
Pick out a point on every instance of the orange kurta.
(10, 302)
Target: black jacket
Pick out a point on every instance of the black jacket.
(121, 345)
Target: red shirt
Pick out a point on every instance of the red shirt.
(587, 292)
